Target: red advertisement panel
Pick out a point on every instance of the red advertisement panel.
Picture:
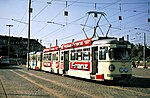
(80, 66)
(80, 43)
(66, 46)
(86, 42)
(57, 64)
(55, 48)
(47, 64)
(61, 65)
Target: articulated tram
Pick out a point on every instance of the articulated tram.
(32, 60)
(104, 58)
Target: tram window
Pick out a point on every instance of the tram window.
(76, 55)
(62, 55)
(49, 56)
(33, 57)
(54, 57)
(39, 58)
(45, 56)
(102, 53)
(119, 54)
(57, 56)
(86, 54)
(72, 54)
(79, 52)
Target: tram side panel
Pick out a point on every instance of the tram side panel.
(61, 63)
(51, 59)
(77, 60)
(46, 62)
(79, 63)
(39, 60)
(55, 62)
(32, 60)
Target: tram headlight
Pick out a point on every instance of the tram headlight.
(126, 70)
(112, 67)
(121, 70)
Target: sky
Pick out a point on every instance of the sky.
(48, 22)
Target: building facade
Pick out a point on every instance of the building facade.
(16, 47)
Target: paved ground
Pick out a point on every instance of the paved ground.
(18, 82)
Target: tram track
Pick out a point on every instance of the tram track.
(84, 92)
(136, 92)
(53, 82)
(48, 90)
(30, 83)
(3, 89)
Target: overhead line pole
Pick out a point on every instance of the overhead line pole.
(9, 39)
(144, 63)
(30, 10)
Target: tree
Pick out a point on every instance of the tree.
(137, 52)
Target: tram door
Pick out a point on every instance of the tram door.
(94, 60)
(66, 60)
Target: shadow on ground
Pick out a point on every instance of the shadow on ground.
(134, 82)
(6, 66)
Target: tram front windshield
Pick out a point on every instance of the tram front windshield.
(120, 54)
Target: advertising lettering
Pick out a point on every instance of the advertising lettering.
(80, 43)
(80, 66)
(55, 48)
(66, 46)
(57, 65)
(47, 64)
(62, 65)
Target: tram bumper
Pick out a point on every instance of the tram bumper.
(118, 76)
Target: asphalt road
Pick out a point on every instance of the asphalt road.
(18, 82)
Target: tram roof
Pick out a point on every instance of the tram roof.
(109, 40)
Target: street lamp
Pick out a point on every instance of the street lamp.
(9, 39)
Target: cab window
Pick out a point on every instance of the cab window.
(102, 53)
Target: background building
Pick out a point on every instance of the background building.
(18, 46)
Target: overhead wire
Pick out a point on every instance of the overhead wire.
(101, 3)
(130, 17)
(85, 2)
(104, 7)
(40, 12)
(23, 29)
(58, 15)
(57, 30)
(19, 22)
(98, 3)
(110, 5)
